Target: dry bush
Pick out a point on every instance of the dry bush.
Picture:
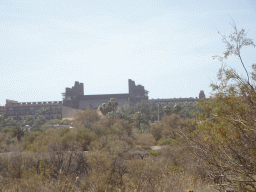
(84, 119)
(55, 160)
(6, 142)
(106, 170)
(167, 127)
(145, 140)
(22, 171)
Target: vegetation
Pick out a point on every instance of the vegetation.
(205, 146)
(226, 139)
(99, 154)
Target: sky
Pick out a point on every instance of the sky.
(164, 45)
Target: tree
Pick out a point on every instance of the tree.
(226, 139)
(18, 132)
(167, 110)
(139, 118)
(85, 119)
(176, 108)
(28, 120)
(149, 108)
(12, 122)
(43, 111)
(104, 109)
(113, 104)
(37, 126)
(3, 121)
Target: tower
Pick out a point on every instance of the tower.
(137, 93)
(70, 97)
(201, 94)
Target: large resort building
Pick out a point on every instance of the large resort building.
(74, 98)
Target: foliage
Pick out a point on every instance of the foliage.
(28, 120)
(139, 118)
(176, 108)
(43, 111)
(167, 141)
(149, 108)
(59, 122)
(153, 109)
(155, 153)
(98, 154)
(85, 118)
(167, 110)
(110, 107)
(113, 104)
(167, 127)
(104, 109)
(4, 122)
(17, 132)
(37, 126)
(226, 139)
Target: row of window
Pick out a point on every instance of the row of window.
(33, 108)
(31, 113)
(179, 102)
(47, 117)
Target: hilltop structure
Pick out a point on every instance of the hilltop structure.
(74, 97)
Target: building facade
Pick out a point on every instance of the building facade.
(74, 97)
(18, 110)
(2, 110)
(180, 100)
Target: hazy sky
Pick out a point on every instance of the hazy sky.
(164, 45)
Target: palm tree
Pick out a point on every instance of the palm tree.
(113, 104)
(18, 132)
(104, 109)
(176, 108)
(186, 109)
(139, 118)
(28, 120)
(167, 110)
(43, 111)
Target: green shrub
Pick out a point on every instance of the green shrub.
(155, 153)
(167, 141)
